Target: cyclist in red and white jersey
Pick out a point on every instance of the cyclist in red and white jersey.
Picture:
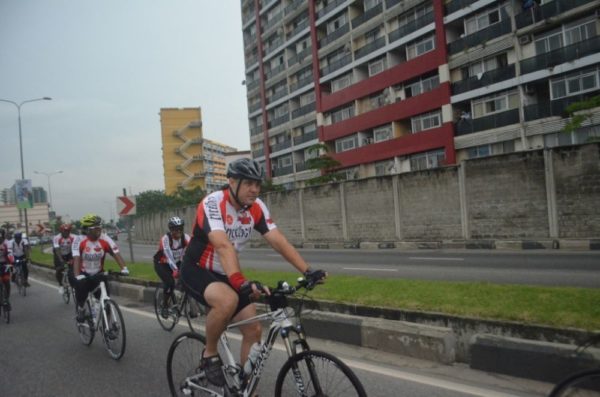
(211, 270)
(88, 260)
(62, 245)
(6, 260)
(20, 250)
(168, 257)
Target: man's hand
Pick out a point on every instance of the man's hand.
(80, 277)
(254, 289)
(315, 276)
(175, 273)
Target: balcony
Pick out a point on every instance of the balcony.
(273, 45)
(276, 70)
(301, 111)
(369, 14)
(283, 171)
(300, 27)
(345, 60)
(369, 48)
(300, 166)
(326, 10)
(279, 120)
(305, 138)
(301, 83)
(299, 56)
(256, 130)
(411, 27)
(252, 85)
(273, 21)
(253, 108)
(334, 35)
(258, 153)
(487, 78)
(278, 95)
(481, 36)
(558, 107)
(247, 17)
(561, 55)
(293, 7)
(456, 5)
(390, 3)
(469, 126)
(548, 10)
(281, 146)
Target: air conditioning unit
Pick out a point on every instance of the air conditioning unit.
(525, 39)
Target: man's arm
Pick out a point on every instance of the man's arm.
(226, 252)
(280, 244)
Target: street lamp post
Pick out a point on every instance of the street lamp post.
(48, 175)
(18, 106)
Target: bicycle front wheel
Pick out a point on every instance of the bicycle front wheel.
(183, 367)
(66, 295)
(316, 373)
(113, 329)
(582, 384)
(20, 280)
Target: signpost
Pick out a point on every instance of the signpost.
(125, 208)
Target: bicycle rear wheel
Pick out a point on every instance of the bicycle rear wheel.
(86, 329)
(183, 372)
(582, 384)
(195, 313)
(317, 374)
(114, 332)
(168, 322)
(20, 280)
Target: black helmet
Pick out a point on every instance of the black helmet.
(245, 168)
(175, 222)
(17, 235)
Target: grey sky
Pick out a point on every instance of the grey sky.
(110, 66)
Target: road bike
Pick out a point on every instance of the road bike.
(103, 314)
(5, 308)
(19, 276)
(305, 373)
(177, 305)
(68, 291)
(580, 384)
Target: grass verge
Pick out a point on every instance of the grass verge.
(554, 306)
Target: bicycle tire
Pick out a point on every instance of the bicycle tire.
(581, 384)
(20, 281)
(6, 315)
(166, 323)
(183, 363)
(86, 329)
(115, 339)
(321, 371)
(66, 295)
(194, 313)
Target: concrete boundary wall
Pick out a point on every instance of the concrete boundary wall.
(532, 199)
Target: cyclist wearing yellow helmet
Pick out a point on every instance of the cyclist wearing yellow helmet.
(89, 252)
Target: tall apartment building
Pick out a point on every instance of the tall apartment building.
(398, 85)
(9, 196)
(189, 160)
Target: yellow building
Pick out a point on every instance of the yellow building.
(190, 161)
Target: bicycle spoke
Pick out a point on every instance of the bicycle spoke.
(113, 330)
(167, 317)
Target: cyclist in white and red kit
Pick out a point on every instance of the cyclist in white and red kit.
(89, 252)
(62, 245)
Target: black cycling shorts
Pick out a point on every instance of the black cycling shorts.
(195, 280)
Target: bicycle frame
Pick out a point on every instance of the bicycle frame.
(280, 325)
(103, 298)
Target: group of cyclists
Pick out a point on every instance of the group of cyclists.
(206, 262)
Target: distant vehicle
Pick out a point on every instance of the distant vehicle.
(46, 239)
(34, 241)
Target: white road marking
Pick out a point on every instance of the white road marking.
(435, 259)
(398, 374)
(370, 269)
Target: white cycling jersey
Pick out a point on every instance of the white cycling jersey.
(62, 244)
(92, 253)
(18, 249)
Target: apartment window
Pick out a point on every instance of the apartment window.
(427, 160)
(580, 31)
(342, 114)
(385, 167)
(426, 121)
(420, 47)
(549, 42)
(414, 14)
(421, 86)
(372, 35)
(280, 111)
(583, 135)
(565, 35)
(377, 66)
(305, 73)
(383, 133)
(495, 104)
(307, 98)
(273, 12)
(337, 23)
(480, 151)
(302, 45)
(482, 21)
(310, 154)
(485, 65)
(337, 55)
(377, 101)
(285, 161)
(574, 84)
(350, 173)
(341, 82)
(344, 144)
(371, 4)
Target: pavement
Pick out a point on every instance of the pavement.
(510, 348)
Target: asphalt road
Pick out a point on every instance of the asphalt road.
(41, 355)
(534, 267)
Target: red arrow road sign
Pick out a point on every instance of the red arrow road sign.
(126, 205)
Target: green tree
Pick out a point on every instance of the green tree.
(578, 119)
(269, 186)
(153, 201)
(323, 163)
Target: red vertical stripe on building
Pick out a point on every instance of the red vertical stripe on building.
(263, 97)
